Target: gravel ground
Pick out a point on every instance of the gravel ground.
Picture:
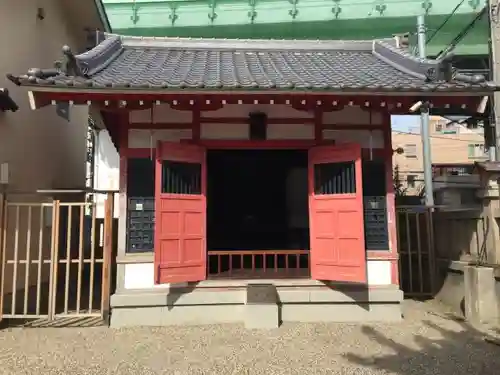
(425, 343)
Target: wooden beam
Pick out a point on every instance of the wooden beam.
(107, 256)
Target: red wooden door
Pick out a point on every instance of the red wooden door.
(336, 214)
(180, 213)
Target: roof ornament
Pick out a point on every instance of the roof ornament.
(402, 40)
(70, 66)
(443, 71)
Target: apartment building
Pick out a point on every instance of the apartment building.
(454, 149)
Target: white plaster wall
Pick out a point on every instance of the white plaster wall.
(224, 131)
(379, 272)
(352, 115)
(140, 138)
(140, 276)
(290, 131)
(272, 111)
(162, 113)
(106, 171)
(366, 138)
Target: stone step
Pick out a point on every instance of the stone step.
(261, 307)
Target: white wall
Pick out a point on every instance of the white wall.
(165, 114)
(106, 170)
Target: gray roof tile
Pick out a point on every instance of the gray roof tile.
(178, 63)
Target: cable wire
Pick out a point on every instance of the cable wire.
(444, 22)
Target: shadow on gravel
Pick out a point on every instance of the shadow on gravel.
(465, 351)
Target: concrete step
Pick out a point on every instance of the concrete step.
(261, 307)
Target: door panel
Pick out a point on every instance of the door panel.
(336, 213)
(180, 229)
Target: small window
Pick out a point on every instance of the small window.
(411, 180)
(180, 178)
(438, 128)
(335, 178)
(410, 151)
(476, 151)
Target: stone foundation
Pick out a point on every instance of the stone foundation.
(230, 305)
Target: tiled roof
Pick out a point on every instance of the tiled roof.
(6, 102)
(121, 62)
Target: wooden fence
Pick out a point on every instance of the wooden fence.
(56, 259)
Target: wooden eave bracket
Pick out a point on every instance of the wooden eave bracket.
(38, 100)
(96, 115)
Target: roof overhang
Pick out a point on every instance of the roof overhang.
(454, 103)
(77, 91)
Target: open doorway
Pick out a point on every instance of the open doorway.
(257, 200)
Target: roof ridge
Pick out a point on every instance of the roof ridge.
(242, 44)
(126, 38)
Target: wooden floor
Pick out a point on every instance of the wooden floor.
(301, 273)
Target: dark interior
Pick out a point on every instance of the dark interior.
(251, 198)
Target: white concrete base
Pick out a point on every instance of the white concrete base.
(217, 305)
(262, 316)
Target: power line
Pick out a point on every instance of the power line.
(444, 22)
(462, 34)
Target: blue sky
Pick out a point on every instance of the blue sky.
(405, 123)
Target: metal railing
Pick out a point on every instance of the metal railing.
(415, 231)
(55, 259)
(433, 236)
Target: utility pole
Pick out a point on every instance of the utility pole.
(494, 44)
(424, 123)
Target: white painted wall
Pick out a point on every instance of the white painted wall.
(106, 171)
(141, 138)
(162, 113)
(165, 114)
(224, 131)
(379, 272)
